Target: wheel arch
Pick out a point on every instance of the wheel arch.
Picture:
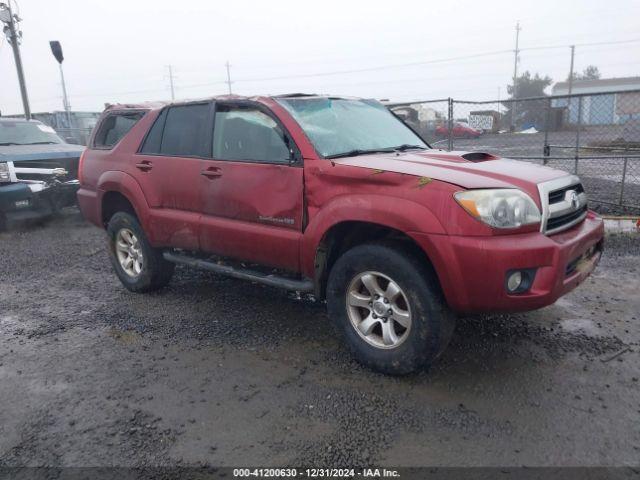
(112, 203)
(119, 191)
(382, 215)
(345, 235)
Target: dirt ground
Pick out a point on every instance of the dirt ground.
(215, 371)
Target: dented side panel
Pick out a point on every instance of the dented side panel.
(338, 193)
(252, 211)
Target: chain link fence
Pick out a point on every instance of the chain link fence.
(73, 127)
(595, 135)
(79, 136)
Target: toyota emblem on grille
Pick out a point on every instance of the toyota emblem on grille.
(572, 198)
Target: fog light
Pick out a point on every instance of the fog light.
(514, 281)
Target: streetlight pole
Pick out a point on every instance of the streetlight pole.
(65, 99)
(13, 36)
(56, 49)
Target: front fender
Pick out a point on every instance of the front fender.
(393, 212)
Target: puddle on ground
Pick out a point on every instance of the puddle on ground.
(127, 337)
(583, 325)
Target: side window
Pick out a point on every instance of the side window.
(185, 131)
(114, 127)
(248, 134)
(154, 137)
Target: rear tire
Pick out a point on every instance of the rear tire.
(140, 267)
(416, 326)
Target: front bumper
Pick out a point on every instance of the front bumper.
(472, 270)
(20, 202)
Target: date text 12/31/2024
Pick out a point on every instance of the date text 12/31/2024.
(316, 472)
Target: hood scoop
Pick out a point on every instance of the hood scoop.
(479, 156)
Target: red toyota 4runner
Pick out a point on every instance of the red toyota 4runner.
(337, 197)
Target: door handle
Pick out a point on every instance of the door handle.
(212, 172)
(144, 166)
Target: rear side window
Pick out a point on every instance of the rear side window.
(185, 131)
(114, 127)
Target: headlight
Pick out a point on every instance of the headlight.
(4, 172)
(500, 208)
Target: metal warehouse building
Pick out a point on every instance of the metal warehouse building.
(603, 109)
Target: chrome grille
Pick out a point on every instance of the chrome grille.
(564, 204)
(557, 196)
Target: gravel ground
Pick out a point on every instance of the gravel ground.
(214, 371)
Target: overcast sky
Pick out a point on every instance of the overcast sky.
(118, 50)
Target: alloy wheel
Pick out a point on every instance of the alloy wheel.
(129, 252)
(378, 310)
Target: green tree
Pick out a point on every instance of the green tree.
(589, 73)
(530, 112)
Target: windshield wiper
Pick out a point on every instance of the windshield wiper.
(49, 142)
(356, 152)
(407, 146)
(6, 144)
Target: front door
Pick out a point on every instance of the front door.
(252, 190)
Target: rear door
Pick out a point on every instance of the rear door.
(252, 188)
(169, 164)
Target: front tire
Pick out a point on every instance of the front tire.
(387, 304)
(140, 267)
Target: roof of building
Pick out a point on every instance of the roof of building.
(600, 82)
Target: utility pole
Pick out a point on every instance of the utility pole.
(573, 51)
(14, 36)
(515, 78)
(228, 76)
(173, 93)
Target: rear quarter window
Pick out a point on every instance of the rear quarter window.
(152, 142)
(114, 127)
(185, 131)
(180, 131)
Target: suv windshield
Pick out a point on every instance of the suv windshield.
(27, 133)
(344, 127)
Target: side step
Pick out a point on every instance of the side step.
(243, 274)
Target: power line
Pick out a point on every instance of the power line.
(357, 70)
(228, 81)
(589, 44)
(377, 68)
(401, 65)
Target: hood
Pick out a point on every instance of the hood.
(452, 167)
(17, 153)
